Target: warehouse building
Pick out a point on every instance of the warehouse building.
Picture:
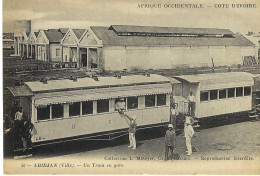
(144, 47)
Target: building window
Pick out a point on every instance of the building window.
(87, 107)
(204, 96)
(222, 94)
(74, 109)
(213, 95)
(247, 91)
(239, 91)
(102, 106)
(57, 111)
(149, 100)
(57, 52)
(161, 99)
(132, 102)
(43, 112)
(231, 92)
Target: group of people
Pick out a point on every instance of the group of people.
(21, 129)
(170, 136)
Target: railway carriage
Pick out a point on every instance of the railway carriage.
(84, 108)
(216, 94)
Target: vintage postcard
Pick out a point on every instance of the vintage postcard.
(131, 87)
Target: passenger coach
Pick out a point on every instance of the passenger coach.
(84, 108)
(216, 93)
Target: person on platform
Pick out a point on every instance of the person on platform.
(191, 104)
(19, 114)
(132, 131)
(188, 133)
(170, 142)
(174, 115)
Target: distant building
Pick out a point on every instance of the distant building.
(70, 49)
(121, 47)
(20, 27)
(8, 40)
(255, 38)
(48, 45)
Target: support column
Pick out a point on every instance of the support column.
(87, 58)
(27, 50)
(78, 61)
(23, 50)
(31, 51)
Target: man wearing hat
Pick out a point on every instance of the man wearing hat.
(120, 105)
(188, 133)
(170, 141)
(132, 131)
(191, 99)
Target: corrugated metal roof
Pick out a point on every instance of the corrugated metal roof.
(78, 32)
(109, 37)
(54, 35)
(176, 30)
(81, 83)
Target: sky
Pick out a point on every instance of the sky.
(46, 14)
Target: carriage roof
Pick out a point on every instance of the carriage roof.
(219, 80)
(85, 83)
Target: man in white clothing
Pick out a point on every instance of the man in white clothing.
(188, 133)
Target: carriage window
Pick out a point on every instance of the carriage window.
(231, 92)
(43, 112)
(102, 106)
(149, 100)
(239, 91)
(204, 96)
(74, 109)
(222, 94)
(213, 94)
(161, 99)
(57, 110)
(247, 91)
(132, 102)
(87, 107)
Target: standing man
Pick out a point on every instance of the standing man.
(19, 114)
(170, 141)
(188, 133)
(132, 131)
(174, 114)
(191, 105)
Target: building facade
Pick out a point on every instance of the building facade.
(49, 47)
(121, 47)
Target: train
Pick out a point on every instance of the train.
(84, 108)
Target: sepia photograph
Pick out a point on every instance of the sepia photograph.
(131, 87)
